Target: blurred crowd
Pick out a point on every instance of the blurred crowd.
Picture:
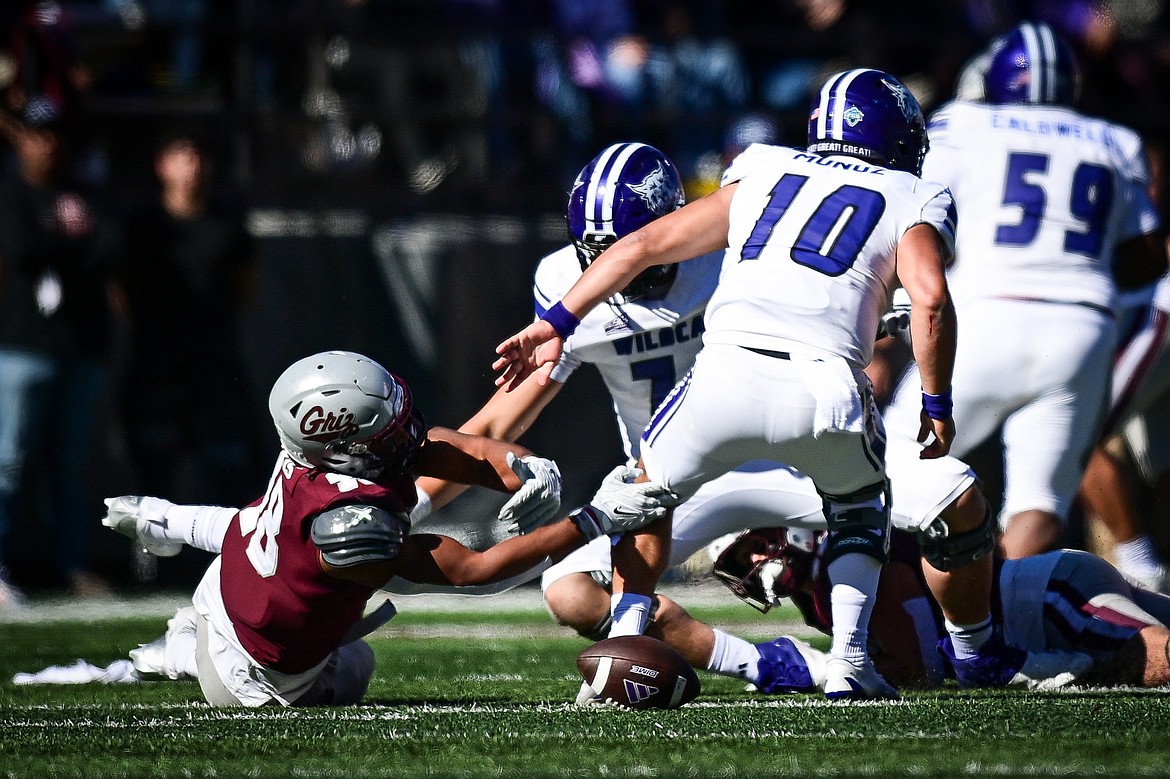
(137, 134)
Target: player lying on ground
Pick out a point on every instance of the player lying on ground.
(1068, 602)
(277, 618)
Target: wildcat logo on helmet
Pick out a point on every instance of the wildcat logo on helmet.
(909, 110)
(319, 426)
(654, 190)
(853, 116)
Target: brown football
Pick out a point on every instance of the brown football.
(638, 672)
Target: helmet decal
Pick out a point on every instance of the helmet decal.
(902, 95)
(654, 191)
(321, 426)
(869, 114)
(1031, 64)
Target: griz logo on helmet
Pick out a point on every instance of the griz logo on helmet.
(321, 427)
(660, 197)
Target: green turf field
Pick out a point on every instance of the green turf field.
(497, 706)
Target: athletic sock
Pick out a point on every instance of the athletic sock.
(630, 614)
(855, 580)
(1138, 556)
(734, 657)
(967, 640)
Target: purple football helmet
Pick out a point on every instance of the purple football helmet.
(869, 114)
(1031, 64)
(626, 186)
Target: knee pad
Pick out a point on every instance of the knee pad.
(946, 552)
(859, 523)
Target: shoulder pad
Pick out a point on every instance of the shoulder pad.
(356, 533)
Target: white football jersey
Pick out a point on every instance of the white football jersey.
(641, 348)
(811, 258)
(1045, 195)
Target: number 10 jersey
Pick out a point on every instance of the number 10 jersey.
(812, 243)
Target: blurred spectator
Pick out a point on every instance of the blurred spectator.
(46, 60)
(54, 329)
(755, 127)
(401, 64)
(183, 21)
(186, 273)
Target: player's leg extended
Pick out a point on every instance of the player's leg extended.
(581, 601)
(1048, 440)
(676, 452)
(639, 560)
(1110, 491)
(958, 566)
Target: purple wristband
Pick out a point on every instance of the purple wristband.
(938, 406)
(561, 319)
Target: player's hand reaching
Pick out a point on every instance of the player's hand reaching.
(941, 433)
(539, 498)
(535, 348)
(622, 503)
(142, 519)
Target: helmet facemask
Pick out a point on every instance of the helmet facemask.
(645, 284)
(761, 567)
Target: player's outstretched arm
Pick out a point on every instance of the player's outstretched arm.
(505, 416)
(470, 459)
(696, 229)
(618, 506)
(921, 269)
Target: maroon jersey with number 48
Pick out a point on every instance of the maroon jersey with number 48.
(287, 612)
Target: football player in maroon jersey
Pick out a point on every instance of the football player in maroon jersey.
(278, 617)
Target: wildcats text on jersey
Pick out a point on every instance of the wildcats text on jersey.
(664, 337)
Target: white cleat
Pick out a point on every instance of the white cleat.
(124, 516)
(845, 681)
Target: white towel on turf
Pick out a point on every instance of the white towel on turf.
(80, 672)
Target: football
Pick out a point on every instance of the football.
(638, 672)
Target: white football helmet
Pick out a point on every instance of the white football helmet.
(343, 412)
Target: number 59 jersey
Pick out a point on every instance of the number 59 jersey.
(1046, 194)
(812, 243)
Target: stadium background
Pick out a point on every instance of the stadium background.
(405, 162)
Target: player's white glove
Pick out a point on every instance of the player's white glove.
(896, 321)
(539, 498)
(621, 505)
(142, 519)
